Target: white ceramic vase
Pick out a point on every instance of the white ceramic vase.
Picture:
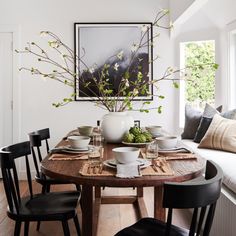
(114, 125)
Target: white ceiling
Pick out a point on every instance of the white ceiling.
(204, 13)
(220, 12)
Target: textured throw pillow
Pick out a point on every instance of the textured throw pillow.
(202, 129)
(193, 118)
(205, 121)
(221, 135)
(230, 114)
(210, 111)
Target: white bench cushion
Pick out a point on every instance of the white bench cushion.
(226, 160)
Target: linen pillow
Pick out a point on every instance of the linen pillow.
(202, 129)
(193, 118)
(221, 135)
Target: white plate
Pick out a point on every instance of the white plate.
(157, 135)
(76, 149)
(143, 163)
(69, 149)
(175, 149)
(135, 144)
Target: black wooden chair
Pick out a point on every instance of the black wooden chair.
(36, 138)
(201, 195)
(56, 206)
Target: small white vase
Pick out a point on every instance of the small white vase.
(115, 125)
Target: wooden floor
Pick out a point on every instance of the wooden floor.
(112, 217)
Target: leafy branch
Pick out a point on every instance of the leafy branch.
(68, 68)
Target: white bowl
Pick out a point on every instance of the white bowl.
(85, 130)
(154, 130)
(167, 142)
(126, 155)
(78, 141)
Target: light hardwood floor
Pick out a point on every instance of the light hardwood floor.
(112, 217)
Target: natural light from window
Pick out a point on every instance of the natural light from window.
(232, 70)
(199, 87)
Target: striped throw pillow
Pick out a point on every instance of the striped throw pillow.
(221, 135)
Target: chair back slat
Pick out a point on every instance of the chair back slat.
(47, 146)
(39, 154)
(201, 219)
(36, 139)
(35, 162)
(29, 176)
(7, 188)
(168, 223)
(193, 222)
(13, 191)
(209, 219)
(9, 172)
(16, 181)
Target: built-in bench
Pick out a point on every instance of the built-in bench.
(224, 221)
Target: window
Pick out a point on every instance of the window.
(199, 87)
(232, 72)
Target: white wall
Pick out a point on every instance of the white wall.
(37, 95)
(228, 48)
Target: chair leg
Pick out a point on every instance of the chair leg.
(26, 230)
(48, 188)
(38, 226)
(44, 189)
(76, 221)
(78, 188)
(65, 228)
(17, 228)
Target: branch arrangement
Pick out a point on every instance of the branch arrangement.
(67, 69)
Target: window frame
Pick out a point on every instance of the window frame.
(182, 84)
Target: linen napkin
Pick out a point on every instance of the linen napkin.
(128, 170)
(63, 157)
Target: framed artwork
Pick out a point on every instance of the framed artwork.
(99, 44)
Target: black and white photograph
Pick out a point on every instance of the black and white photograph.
(114, 45)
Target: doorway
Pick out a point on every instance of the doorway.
(6, 88)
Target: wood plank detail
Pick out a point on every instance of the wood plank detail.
(118, 199)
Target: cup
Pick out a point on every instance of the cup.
(85, 130)
(154, 130)
(167, 142)
(97, 140)
(96, 155)
(152, 150)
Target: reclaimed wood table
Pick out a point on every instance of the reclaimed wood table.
(91, 197)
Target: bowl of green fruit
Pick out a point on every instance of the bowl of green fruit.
(137, 137)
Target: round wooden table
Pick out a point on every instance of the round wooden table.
(90, 203)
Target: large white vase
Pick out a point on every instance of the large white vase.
(115, 125)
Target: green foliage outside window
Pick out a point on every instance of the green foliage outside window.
(200, 86)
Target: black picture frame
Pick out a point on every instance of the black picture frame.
(96, 42)
(137, 123)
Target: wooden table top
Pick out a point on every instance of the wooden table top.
(69, 170)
